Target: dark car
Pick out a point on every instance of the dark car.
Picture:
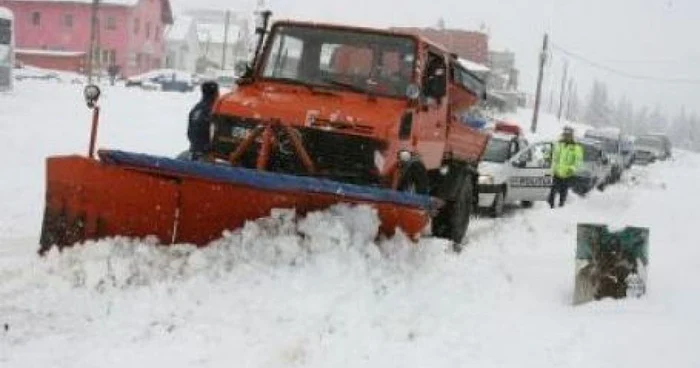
(164, 80)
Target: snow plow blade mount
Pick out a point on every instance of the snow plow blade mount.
(137, 195)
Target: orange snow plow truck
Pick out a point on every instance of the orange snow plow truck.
(324, 114)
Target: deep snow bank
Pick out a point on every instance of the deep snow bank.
(342, 232)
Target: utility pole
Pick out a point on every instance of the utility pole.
(93, 39)
(226, 25)
(538, 93)
(563, 90)
(571, 101)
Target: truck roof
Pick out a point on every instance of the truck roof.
(384, 31)
(503, 136)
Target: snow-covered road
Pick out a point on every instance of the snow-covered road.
(319, 292)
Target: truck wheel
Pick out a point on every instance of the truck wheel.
(453, 219)
(499, 199)
(601, 186)
(414, 179)
(526, 204)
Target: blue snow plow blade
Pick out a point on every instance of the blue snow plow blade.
(264, 180)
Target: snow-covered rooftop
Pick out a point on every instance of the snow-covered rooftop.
(49, 52)
(472, 66)
(105, 2)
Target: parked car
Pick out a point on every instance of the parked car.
(495, 170)
(595, 170)
(652, 147)
(611, 140)
(627, 150)
(163, 80)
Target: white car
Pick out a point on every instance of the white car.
(595, 168)
(611, 139)
(494, 170)
(524, 178)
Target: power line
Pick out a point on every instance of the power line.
(623, 73)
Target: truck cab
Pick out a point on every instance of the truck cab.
(364, 106)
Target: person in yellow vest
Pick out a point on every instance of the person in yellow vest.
(566, 160)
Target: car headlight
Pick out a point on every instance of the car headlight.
(486, 180)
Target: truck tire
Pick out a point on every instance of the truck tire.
(499, 199)
(601, 186)
(526, 204)
(414, 179)
(453, 219)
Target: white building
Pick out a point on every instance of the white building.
(183, 48)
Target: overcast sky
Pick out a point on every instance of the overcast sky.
(644, 37)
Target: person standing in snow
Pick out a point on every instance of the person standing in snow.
(199, 121)
(566, 159)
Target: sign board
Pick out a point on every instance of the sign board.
(610, 263)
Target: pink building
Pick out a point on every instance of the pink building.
(130, 32)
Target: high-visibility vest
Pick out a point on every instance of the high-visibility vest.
(567, 158)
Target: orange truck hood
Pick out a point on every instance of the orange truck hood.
(299, 105)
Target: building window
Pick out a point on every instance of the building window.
(68, 20)
(36, 18)
(132, 59)
(111, 23)
(105, 57)
(148, 30)
(137, 25)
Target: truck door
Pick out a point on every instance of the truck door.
(432, 119)
(531, 175)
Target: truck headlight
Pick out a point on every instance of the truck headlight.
(404, 155)
(486, 180)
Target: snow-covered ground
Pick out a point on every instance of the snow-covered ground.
(318, 291)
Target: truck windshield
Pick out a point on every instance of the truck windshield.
(338, 58)
(497, 150)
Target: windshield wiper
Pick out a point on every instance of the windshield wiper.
(347, 85)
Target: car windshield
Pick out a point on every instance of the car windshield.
(359, 61)
(497, 150)
(590, 153)
(649, 142)
(609, 145)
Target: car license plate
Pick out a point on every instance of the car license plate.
(531, 181)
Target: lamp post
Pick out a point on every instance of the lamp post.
(93, 38)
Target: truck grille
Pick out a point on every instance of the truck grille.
(343, 157)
